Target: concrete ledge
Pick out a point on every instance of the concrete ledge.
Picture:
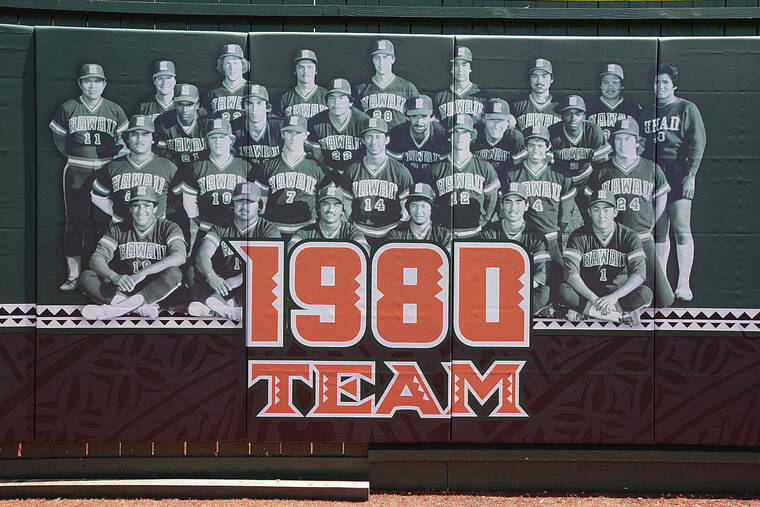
(187, 488)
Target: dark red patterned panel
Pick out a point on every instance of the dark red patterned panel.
(139, 388)
(17, 386)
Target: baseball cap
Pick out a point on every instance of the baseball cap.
(295, 123)
(541, 64)
(612, 68)
(602, 195)
(462, 121)
(497, 108)
(164, 68)
(91, 70)
(538, 131)
(186, 93)
(232, 50)
(377, 124)
(419, 104)
(329, 192)
(247, 191)
(515, 189)
(143, 193)
(218, 126)
(141, 122)
(305, 54)
(626, 126)
(572, 102)
(256, 90)
(339, 85)
(421, 191)
(382, 47)
(462, 53)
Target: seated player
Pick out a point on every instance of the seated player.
(605, 268)
(420, 226)
(164, 79)
(330, 224)
(218, 285)
(136, 263)
(511, 227)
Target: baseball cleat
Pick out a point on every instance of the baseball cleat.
(229, 312)
(198, 309)
(574, 316)
(103, 312)
(684, 294)
(69, 285)
(150, 311)
(631, 318)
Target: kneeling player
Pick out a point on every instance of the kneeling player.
(136, 263)
(605, 267)
(420, 225)
(219, 288)
(514, 204)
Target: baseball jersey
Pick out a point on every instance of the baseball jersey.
(601, 113)
(257, 148)
(499, 154)
(224, 102)
(292, 102)
(292, 191)
(528, 112)
(677, 133)
(574, 156)
(376, 195)
(635, 189)
(534, 243)
(92, 133)
(120, 175)
(345, 231)
(605, 264)
(419, 157)
(183, 145)
(550, 197)
(153, 108)
(212, 185)
(224, 261)
(128, 251)
(461, 194)
(448, 103)
(342, 144)
(434, 233)
(385, 101)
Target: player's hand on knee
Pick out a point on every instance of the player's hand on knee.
(605, 304)
(218, 284)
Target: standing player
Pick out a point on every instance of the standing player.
(604, 266)
(464, 96)
(140, 167)
(467, 186)
(136, 263)
(611, 106)
(640, 189)
(495, 141)
(385, 95)
(257, 134)
(87, 131)
(676, 136)
(219, 289)
(291, 180)
(420, 226)
(164, 79)
(511, 227)
(538, 108)
(377, 185)
(225, 99)
(337, 131)
(330, 224)
(420, 142)
(306, 98)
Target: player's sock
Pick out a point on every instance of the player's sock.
(149, 311)
(685, 254)
(662, 251)
(73, 265)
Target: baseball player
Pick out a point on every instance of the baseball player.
(164, 79)
(225, 99)
(612, 106)
(337, 131)
(604, 268)
(385, 95)
(87, 131)
(330, 224)
(497, 142)
(676, 136)
(511, 227)
(467, 186)
(538, 108)
(550, 192)
(291, 180)
(640, 187)
(218, 288)
(306, 98)
(421, 141)
(178, 131)
(136, 263)
(463, 96)
(111, 188)
(257, 134)
(377, 185)
(420, 226)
